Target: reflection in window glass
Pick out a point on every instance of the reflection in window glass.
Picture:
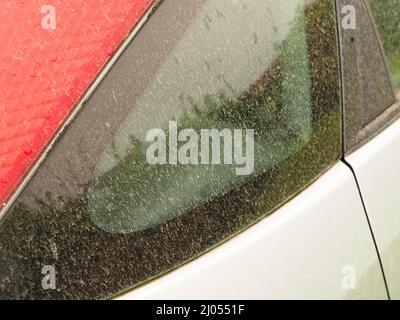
(387, 17)
(218, 76)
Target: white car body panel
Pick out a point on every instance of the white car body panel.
(307, 249)
(377, 167)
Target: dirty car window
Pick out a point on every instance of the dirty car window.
(387, 18)
(107, 218)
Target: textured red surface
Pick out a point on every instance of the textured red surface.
(43, 73)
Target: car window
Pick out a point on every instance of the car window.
(209, 81)
(216, 114)
(387, 18)
(367, 89)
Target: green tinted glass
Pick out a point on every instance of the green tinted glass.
(222, 77)
(387, 18)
